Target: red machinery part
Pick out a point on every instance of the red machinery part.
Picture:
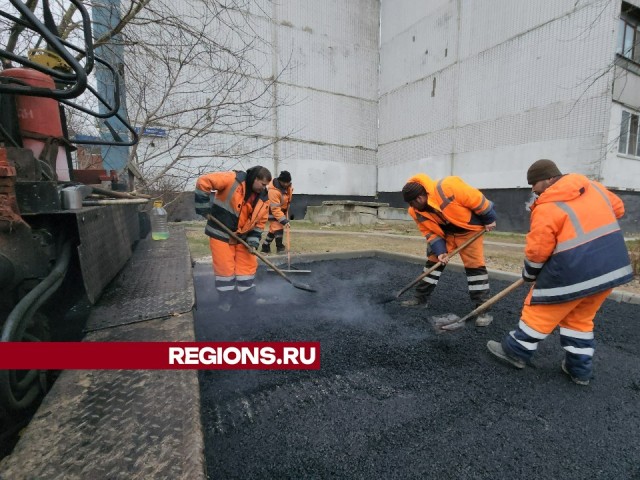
(39, 117)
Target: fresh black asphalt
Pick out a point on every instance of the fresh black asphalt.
(394, 400)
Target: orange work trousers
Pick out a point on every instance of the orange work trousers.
(274, 227)
(575, 315)
(472, 256)
(233, 266)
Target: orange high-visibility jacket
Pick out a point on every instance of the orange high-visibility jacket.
(454, 203)
(228, 205)
(575, 247)
(279, 201)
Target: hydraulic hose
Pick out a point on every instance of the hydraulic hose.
(14, 331)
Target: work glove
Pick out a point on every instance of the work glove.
(527, 277)
(284, 221)
(202, 203)
(253, 242)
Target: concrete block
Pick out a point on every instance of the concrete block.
(318, 215)
(353, 218)
(354, 202)
(361, 209)
(389, 213)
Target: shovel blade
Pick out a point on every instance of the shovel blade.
(447, 323)
(303, 286)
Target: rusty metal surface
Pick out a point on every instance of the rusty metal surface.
(106, 237)
(38, 197)
(139, 424)
(28, 169)
(155, 283)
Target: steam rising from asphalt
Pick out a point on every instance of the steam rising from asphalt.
(342, 295)
(348, 295)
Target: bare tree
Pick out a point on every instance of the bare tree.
(203, 76)
(199, 78)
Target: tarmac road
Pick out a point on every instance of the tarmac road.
(394, 400)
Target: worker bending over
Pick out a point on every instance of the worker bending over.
(448, 212)
(239, 200)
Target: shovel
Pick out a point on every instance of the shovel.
(432, 268)
(451, 322)
(301, 286)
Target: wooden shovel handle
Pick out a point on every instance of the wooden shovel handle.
(249, 247)
(438, 264)
(498, 296)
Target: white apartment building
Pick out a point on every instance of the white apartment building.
(460, 87)
(378, 90)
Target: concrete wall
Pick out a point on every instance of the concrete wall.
(510, 207)
(373, 91)
(329, 53)
(483, 89)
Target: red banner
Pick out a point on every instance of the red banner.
(160, 355)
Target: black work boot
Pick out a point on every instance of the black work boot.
(266, 248)
(225, 300)
(280, 248)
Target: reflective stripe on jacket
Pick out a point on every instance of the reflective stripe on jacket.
(279, 200)
(454, 204)
(575, 247)
(228, 205)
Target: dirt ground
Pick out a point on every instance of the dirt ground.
(394, 400)
(503, 252)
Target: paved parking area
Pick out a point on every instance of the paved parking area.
(394, 400)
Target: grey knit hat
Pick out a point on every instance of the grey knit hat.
(541, 170)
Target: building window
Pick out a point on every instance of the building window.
(628, 44)
(628, 143)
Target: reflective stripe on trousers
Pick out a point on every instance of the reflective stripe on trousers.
(233, 266)
(575, 319)
(478, 283)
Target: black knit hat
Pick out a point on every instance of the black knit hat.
(284, 176)
(412, 190)
(542, 170)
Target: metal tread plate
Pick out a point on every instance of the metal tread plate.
(105, 233)
(155, 283)
(117, 424)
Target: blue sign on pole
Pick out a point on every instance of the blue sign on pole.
(151, 132)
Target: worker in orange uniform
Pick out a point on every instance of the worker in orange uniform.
(280, 193)
(447, 213)
(575, 253)
(239, 200)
